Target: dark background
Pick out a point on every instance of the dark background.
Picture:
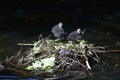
(23, 20)
(38, 16)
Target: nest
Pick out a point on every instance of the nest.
(54, 59)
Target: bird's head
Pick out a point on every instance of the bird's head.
(60, 24)
(78, 30)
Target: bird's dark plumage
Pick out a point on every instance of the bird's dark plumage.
(73, 36)
(57, 31)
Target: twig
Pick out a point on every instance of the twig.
(25, 44)
(112, 51)
(111, 58)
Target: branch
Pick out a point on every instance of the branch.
(112, 50)
(25, 44)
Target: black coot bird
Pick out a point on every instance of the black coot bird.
(58, 30)
(75, 35)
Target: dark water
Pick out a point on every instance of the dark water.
(97, 32)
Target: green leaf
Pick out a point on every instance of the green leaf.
(29, 68)
(48, 67)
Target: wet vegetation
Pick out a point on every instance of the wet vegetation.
(55, 59)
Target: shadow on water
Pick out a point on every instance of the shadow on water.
(108, 69)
